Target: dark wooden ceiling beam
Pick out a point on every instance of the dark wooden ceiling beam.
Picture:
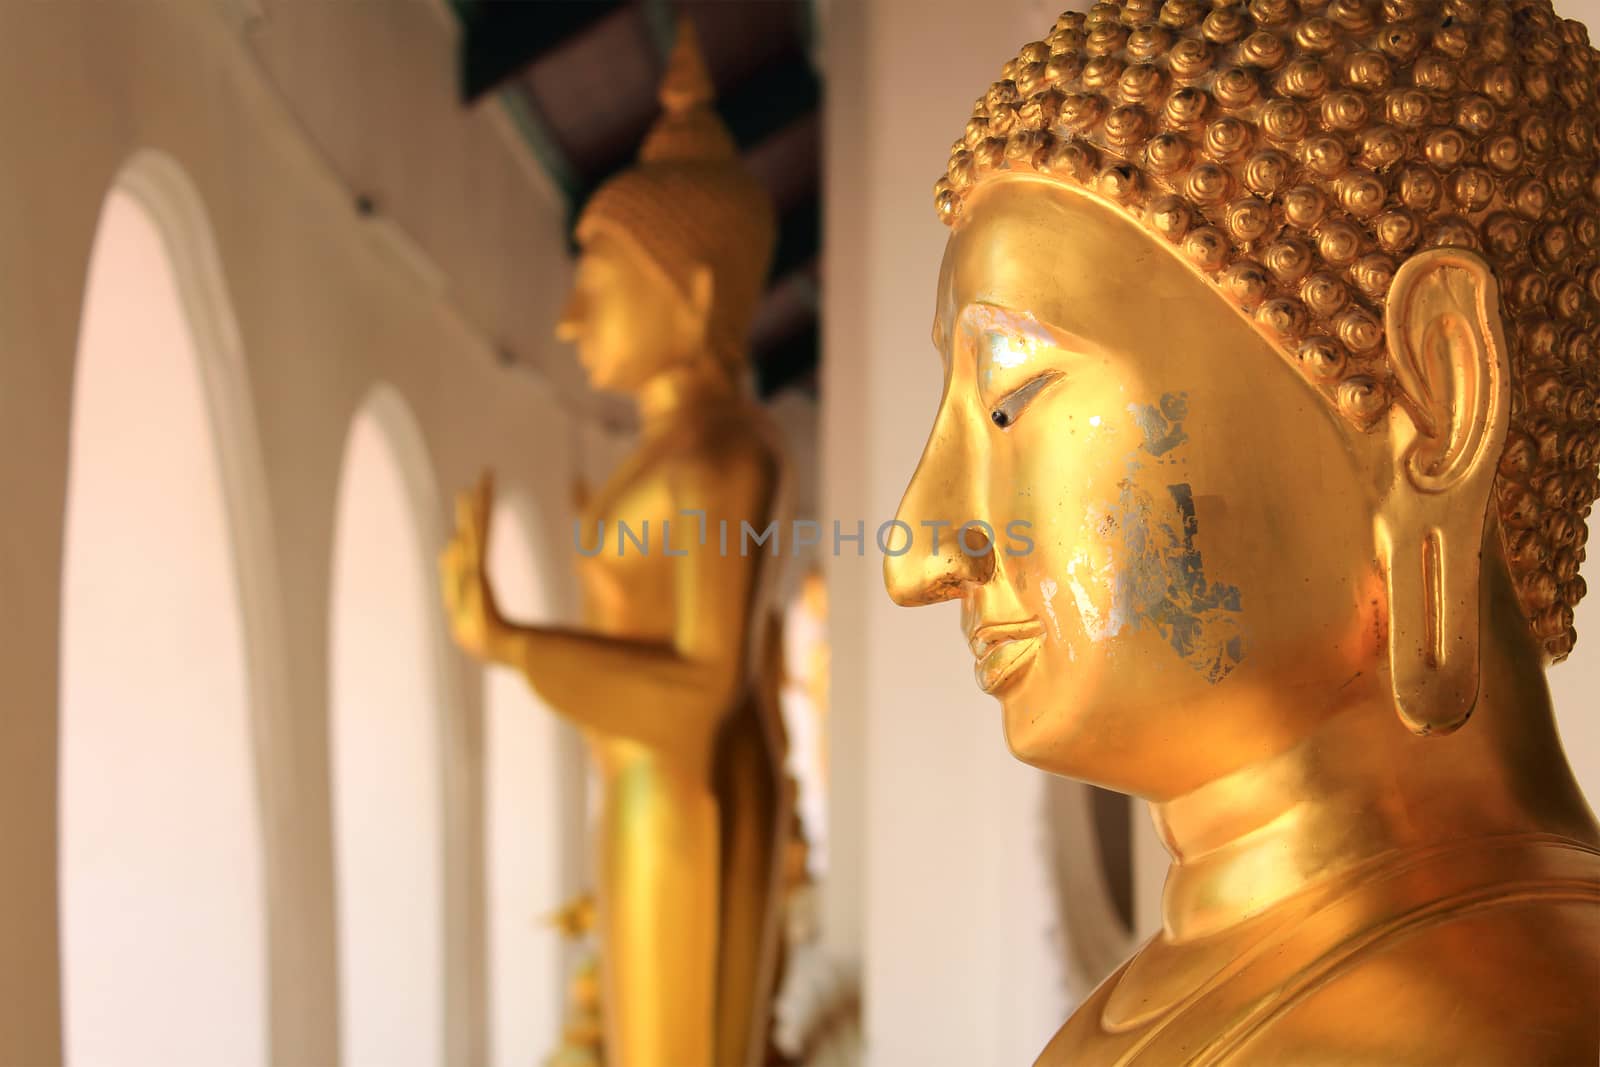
(501, 37)
(787, 362)
(770, 100)
(799, 237)
(753, 111)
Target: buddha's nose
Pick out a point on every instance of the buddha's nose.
(940, 544)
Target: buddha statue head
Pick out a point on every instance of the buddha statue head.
(1269, 343)
(674, 251)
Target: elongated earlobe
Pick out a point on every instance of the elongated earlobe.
(702, 298)
(1447, 352)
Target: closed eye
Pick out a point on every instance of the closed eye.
(1011, 406)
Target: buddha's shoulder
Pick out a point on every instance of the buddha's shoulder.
(1511, 976)
(1508, 980)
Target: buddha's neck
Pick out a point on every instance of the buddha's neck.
(1363, 788)
(680, 392)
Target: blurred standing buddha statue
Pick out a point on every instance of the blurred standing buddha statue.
(1276, 323)
(665, 677)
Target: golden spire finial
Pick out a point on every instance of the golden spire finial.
(688, 130)
(686, 84)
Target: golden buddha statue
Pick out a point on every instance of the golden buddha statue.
(664, 677)
(1269, 338)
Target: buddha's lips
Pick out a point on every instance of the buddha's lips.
(984, 637)
(1003, 650)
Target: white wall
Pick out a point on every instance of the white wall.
(276, 124)
(163, 934)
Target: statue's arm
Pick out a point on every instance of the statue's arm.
(651, 692)
(661, 693)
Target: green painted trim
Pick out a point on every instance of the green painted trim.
(543, 144)
(662, 23)
(809, 16)
(809, 291)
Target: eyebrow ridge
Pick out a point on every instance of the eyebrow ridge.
(1027, 322)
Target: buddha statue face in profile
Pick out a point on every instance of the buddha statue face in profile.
(627, 320)
(673, 252)
(1271, 328)
(1171, 470)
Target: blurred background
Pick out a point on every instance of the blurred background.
(279, 277)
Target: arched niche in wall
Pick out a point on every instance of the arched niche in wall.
(172, 680)
(533, 815)
(390, 746)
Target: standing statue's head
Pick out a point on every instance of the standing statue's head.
(1269, 334)
(675, 250)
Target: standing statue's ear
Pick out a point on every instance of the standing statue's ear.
(702, 294)
(1447, 352)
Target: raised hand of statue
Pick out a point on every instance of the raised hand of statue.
(474, 619)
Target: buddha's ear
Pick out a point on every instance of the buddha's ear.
(1447, 427)
(702, 295)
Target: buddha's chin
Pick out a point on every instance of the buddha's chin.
(1038, 728)
(1061, 722)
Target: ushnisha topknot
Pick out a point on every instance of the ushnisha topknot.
(1297, 151)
